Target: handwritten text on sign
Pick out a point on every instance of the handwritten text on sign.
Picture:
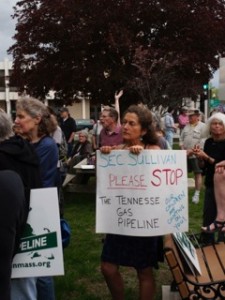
(142, 195)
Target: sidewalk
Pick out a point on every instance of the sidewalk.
(168, 295)
(191, 183)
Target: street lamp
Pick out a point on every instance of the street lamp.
(206, 100)
(205, 87)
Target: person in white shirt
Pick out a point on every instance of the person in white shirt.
(190, 138)
(96, 132)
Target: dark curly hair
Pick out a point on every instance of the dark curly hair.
(146, 121)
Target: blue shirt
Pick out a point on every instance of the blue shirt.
(47, 152)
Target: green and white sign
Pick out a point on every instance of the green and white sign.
(40, 252)
(214, 102)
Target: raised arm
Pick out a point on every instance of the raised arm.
(117, 104)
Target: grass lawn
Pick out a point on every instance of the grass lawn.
(83, 280)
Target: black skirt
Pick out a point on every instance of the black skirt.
(137, 252)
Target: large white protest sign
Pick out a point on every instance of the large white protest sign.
(40, 252)
(142, 195)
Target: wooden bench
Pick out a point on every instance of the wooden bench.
(211, 283)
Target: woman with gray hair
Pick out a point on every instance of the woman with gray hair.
(81, 150)
(213, 161)
(34, 121)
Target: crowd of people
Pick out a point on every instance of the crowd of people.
(31, 157)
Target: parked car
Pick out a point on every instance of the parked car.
(84, 124)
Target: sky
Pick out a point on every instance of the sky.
(7, 27)
(215, 80)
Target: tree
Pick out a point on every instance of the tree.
(162, 50)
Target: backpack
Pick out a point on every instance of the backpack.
(65, 232)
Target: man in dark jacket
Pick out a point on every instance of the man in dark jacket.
(68, 126)
(12, 217)
(17, 155)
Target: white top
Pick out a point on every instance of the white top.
(191, 135)
(57, 137)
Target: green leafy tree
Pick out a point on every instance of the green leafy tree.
(161, 50)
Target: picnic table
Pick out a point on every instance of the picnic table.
(84, 168)
(81, 168)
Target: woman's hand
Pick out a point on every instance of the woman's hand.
(136, 149)
(106, 149)
(200, 154)
(190, 152)
(196, 149)
(118, 95)
(219, 167)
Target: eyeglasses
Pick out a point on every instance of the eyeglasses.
(82, 136)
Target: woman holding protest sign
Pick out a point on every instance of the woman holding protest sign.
(142, 253)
